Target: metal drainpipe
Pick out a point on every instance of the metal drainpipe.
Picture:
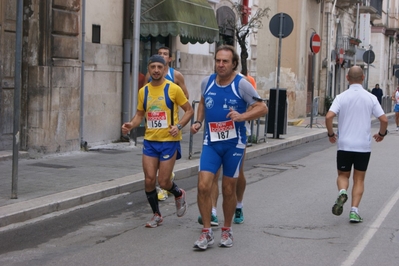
(83, 144)
(356, 29)
(126, 115)
(329, 27)
(135, 60)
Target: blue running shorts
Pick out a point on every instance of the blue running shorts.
(396, 108)
(163, 150)
(217, 154)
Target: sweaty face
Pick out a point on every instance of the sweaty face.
(224, 63)
(165, 54)
(156, 70)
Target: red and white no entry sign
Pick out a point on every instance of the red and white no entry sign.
(315, 43)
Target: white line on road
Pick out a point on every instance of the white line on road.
(371, 231)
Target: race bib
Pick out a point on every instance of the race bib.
(222, 130)
(157, 119)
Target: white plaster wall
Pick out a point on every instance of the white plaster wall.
(108, 14)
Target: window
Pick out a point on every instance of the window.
(96, 34)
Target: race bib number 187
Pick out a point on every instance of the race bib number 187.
(222, 130)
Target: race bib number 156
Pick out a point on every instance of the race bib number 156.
(157, 119)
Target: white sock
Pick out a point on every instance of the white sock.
(239, 205)
(214, 211)
(342, 191)
(355, 209)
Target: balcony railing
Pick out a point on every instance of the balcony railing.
(344, 43)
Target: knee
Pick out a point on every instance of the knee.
(165, 183)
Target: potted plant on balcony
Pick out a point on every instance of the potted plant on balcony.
(354, 41)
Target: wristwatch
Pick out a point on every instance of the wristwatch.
(179, 127)
(383, 135)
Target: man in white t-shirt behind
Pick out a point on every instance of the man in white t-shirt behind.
(354, 108)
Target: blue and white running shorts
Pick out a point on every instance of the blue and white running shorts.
(217, 154)
(163, 150)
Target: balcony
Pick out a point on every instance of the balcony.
(392, 27)
(373, 7)
(346, 3)
(345, 43)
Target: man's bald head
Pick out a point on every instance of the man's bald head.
(355, 75)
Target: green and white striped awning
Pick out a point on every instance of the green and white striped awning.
(193, 20)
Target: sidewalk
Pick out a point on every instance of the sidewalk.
(58, 182)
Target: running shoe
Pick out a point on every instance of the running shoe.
(206, 239)
(338, 208)
(214, 220)
(227, 238)
(155, 221)
(162, 194)
(181, 204)
(238, 216)
(355, 217)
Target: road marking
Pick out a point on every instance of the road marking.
(371, 231)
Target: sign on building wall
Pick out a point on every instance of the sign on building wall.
(364, 30)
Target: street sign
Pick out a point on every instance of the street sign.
(286, 22)
(315, 43)
(369, 57)
(341, 56)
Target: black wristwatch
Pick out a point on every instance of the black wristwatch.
(383, 135)
(179, 127)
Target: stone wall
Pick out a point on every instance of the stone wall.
(51, 76)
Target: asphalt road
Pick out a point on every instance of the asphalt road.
(288, 221)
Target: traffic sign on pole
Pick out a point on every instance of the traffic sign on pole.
(315, 43)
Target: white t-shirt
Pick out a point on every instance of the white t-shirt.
(397, 97)
(354, 108)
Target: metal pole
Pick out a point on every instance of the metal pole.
(312, 93)
(135, 60)
(368, 69)
(127, 47)
(356, 30)
(17, 100)
(83, 144)
(280, 38)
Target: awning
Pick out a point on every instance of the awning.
(193, 20)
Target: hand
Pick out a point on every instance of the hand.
(378, 138)
(126, 127)
(333, 139)
(173, 131)
(234, 115)
(195, 128)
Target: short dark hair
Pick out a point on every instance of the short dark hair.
(377, 85)
(236, 57)
(165, 48)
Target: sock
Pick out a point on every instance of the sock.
(207, 229)
(342, 191)
(239, 205)
(152, 198)
(175, 190)
(355, 209)
(214, 211)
